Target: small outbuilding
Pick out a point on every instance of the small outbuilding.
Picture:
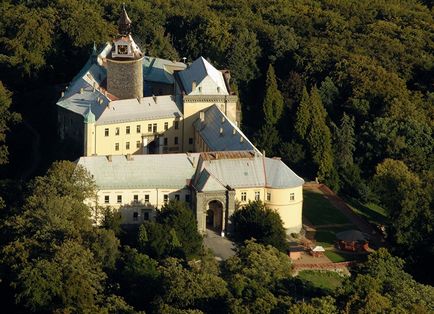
(295, 252)
(352, 240)
(317, 251)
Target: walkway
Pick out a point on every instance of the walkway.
(221, 247)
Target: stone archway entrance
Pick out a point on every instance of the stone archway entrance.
(214, 216)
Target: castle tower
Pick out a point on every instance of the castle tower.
(124, 63)
(89, 133)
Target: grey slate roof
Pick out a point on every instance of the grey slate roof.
(207, 182)
(206, 76)
(171, 171)
(174, 171)
(160, 70)
(131, 110)
(245, 172)
(229, 139)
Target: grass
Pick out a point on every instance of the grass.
(319, 211)
(370, 211)
(327, 280)
(337, 257)
(327, 237)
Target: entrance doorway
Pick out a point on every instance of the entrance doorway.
(214, 216)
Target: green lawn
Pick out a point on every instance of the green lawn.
(319, 211)
(370, 211)
(337, 257)
(327, 280)
(327, 237)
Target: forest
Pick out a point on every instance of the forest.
(343, 91)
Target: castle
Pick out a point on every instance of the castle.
(154, 130)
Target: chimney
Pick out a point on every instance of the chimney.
(221, 131)
(263, 153)
(193, 85)
(202, 116)
(62, 94)
(81, 90)
(234, 131)
(223, 119)
(109, 158)
(241, 139)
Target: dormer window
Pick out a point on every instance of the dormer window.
(122, 49)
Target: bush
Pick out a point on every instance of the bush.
(255, 220)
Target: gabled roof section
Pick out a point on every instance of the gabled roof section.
(160, 70)
(206, 78)
(280, 175)
(126, 110)
(220, 133)
(246, 169)
(208, 183)
(171, 171)
(85, 91)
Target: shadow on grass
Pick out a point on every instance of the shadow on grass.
(319, 211)
(372, 215)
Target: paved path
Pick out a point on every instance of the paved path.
(221, 247)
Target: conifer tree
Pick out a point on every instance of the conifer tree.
(311, 126)
(303, 117)
(273, 101)
(344, 142)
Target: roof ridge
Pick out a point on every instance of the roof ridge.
(214, 177)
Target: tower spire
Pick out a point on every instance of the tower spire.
(124, 23)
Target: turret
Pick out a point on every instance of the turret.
(124, 63)
(89, 133)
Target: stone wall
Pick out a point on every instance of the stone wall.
(125, 78)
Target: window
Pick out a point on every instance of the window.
(127, 129)
(166, 198)
(138, 129)
(116, 146)
(136, 198)
(138, 144)
(146, 216)
(154, 128)
(117, 131)
(149, 127)
(190, 140)
(291, 196)
(146, 198)
(165, 141)
(119, 198)
(127, 145)
(177, 197)
(257, 195)
(187, 198)
(106, 199)
(218, 89)
(200, 89)
(106, 132)
(135, 216)
(176, 125)
(268, 196)
(243, 196)
(176, 140)
(166, 126)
